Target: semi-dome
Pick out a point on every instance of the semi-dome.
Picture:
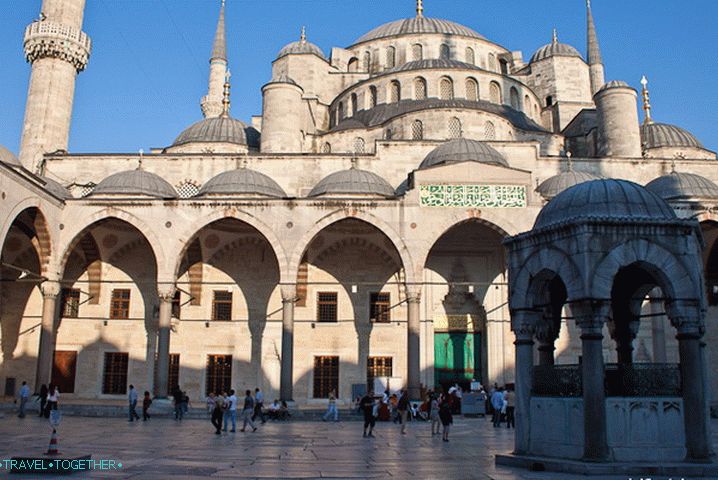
(222, 129)
(242, 181)
(135, 182)
(419, 24)
(682, 185)
(604, 199)
(9, 158)
(552, 186)
(353, 182)
(463, 150)
(56, 189)
(658, 135)
(555, 49)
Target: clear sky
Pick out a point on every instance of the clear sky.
(149, 63)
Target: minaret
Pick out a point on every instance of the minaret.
(58, 50)
(595, 62)
(212, 102)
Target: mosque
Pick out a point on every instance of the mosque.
(353, 232)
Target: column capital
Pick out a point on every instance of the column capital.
(289, 293)
(166, 292)
(50, 288)
(590, 315)
(413, 292)
(523, 323)
(45, 39)
(687, 316)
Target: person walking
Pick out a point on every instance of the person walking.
(331, 408)
(178, 398)
(211, 401)
(217, 414)
(509, 402)
(403, 407)
(366, 404)
(247, 412)
(497, 403)
(42, 398)
(258, 405)
(53, 398)
(230, 411)
(434, 414)
(446, 417)
(132, 397)
(146, 402)
(23, 395)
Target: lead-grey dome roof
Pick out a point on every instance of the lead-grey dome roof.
(414, 25)
(352, 182)
(56, 189)
(135, 182)
(463, 150)
(614, 84)
(552, 186)
(301, 47)
(657, 135)
(555, 49)
(682, 185)
(223, 129)
(604, 199)
(6, 156)
(242, 181)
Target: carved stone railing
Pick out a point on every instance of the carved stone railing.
(49, 39)
(557, 381)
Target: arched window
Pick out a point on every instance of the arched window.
(367, 61)
(327, 147)
(388, 134)
(372, 96)
(515, 98)
(390, 57)
(354, 64)
(394, 92)
(470, 56)
(417, 130)
(446, 89)
(536, 110)
(527, 104)
(455, 128)
(353, 105)
(359, 145)
(504, 66)
(417, 51)
(444, 52)
(419, 89)
(492, 62)
(489, 131)
(340, 111)
(495, 93)
(472, 90)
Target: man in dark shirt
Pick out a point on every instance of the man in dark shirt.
(403, 407)
(366, 404)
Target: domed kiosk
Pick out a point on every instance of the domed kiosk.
(596, 250)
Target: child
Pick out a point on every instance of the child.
(146, 402)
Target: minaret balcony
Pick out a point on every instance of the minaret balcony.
(55, 40)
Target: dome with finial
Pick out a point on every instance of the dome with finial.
(135, 182)
(555, 49)
(683, 185)
(242, 181)
(552, 186)
(463, 150)
(352, 182)
(8, 158)
(302, 47)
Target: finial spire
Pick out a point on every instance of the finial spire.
(594, 49)
(554, 39)
(141, 159)
(219, 48)
(646, 101)
(419, 8)
(225, 95)
(569, 161)
(303, 35)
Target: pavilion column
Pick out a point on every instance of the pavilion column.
(48, 332)
(522, 323)
(591, 316)
(658, 327)
(694, 394)
(413, 298)
(546, 337)
(286, 383)
(166, 297)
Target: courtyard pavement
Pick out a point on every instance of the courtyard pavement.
(164, 448)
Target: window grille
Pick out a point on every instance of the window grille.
(187, 189)
(120, 304)
(446, 89)
(222, 306)
(470, 56)
(417, 130)
(372, 97)
(218, 374)
(420, 89)
(489, 131)
(327, 307)
(390, 57)
(326, 376)
(378, 367)
(395, 92)
(417, 52)
(114, 374)
(359, 145)
(367, 61)
(379, 305)
(87, 189)
(472, 90)
(70, 306)
(445, 52)
(495, 93)
(455, 128)
(514, 97)
(327, 147)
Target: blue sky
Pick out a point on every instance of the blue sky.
(150, 58)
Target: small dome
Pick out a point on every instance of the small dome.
(614, 84)
(301, 47)
(135, 182)
(552, 186)
(242, 181)
(604, 199)
(657, 135)
(56, 189)
(223, 129)
(410, 26)
(463, 150)
(555, 49)
(6, 156)
(353, 182)
(683, 185)
(283, 78)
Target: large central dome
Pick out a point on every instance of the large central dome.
(419, 25)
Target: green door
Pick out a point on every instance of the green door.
(457, 358)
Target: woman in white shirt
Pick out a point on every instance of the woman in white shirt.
(53, 397)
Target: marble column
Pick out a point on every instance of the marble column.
(48, 332)
(522, 324)
(658, 327)
(166, 297)
(546, 337)
(413, 297)
(286, 382)
(694, 394)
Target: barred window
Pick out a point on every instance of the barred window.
(218, 374)
(326, 376)
(372, 96)
(379, 307)
(489, 131)
(120, 304)
(327, 307)
(367, 61)
(378, 367)
(444, 52)
(419, 89)
(176, 305)
(394, 92)
(359, 145)
(114, 373)
(446, 89)
(417, 51)
(187, 189)
(390, 57)
(514, 98)
(472, 90)
(87, 189)
(495, 93)
(222, 306)
(470, 56)
(327, 147)
(455, 128)
(70, 303)
(417, 130)
(353, 105)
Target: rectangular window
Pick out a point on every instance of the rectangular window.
(326, 376)
(379, 305)
(176, 305)
(377, 367)
(120, 304)
(70, 303)
(114, 376)
(327, 307)
(222, 306)
(173, 376)
(219, 374)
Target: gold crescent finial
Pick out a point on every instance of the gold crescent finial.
(646, 101)
(225, 94)
(419, 8)
(555, 36)
(303, 35)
